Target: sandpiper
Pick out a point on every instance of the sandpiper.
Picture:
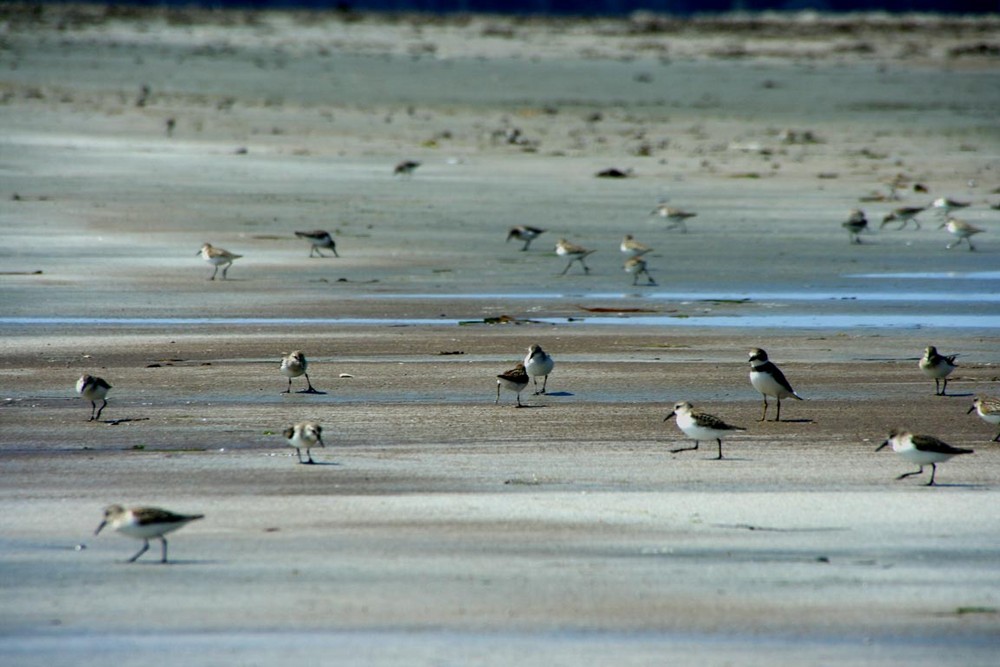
(962, 231)
(405, 168)
(319, 239)
(304, 435)
(922, 450)
(93, 389)
(699, 425)
(144, 523)
(944, 206)
(904, 215)
(938, 367)
(217, 257)
(632, 248)
(515, 380)
(524, 233)
(769, 381)
(988, 408)
(575, 253)
(538, 363)
(676, 216)
(637, 266)
(855, 224)
(294, 365)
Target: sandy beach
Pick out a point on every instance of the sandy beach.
(439, 527)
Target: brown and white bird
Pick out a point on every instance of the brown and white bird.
(637, 267)
(922, 450)
(217, 257)
(699, 426)
(538, 363)
(524, 233)
(632, 248)
(405, 168)
(769, 381)
(944, 206)
(575, 253)
(988, 409)
(144, 523)
(855, 224)
(675, 216)
(962, 231)
(904, 215)
(304, 435)
(319, 239)
(937, 366)
(515, 380)
(93, 389)
(292, 366)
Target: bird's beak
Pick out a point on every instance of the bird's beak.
(320, 441)
(669, 416)
(971, 410)
(880, 447)
(941, 226)
(103, 524)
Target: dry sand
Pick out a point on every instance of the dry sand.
(441, 528)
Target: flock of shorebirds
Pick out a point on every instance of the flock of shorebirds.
(857, 222)
(147, 523)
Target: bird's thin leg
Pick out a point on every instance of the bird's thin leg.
(311, 389)
(764, 416)
(635, 280)
(225, 269)
(498, 395)
(145, 546)
(777, 413)
(214, 272)
(103, 405)
(719, 457)
(911, 474)
(526, 244)
(519, 400)
(586, 269)
(309, 456)
(535, 380)
(933, 472)
(544, 383)
(289, 390)
(298, 454)
(93, 411)
(163, 559)
(685, 449)
(567, 268)
(971, 247)
(997, 439)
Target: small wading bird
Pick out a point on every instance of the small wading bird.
(294, 365)
(319, 239)
(144, 523)
(637, 267)
(515, 380)
(855, 224)
(304, 435)
(938, 367)
(699, 426)
(524, 233)
(904, 215)
(93, 389)
(632, 248)
(405, 168)
(988, 408)
(217, 257)
(675, 216)
(575, 253)
(944, 206)
(538, 363)
(922, 450)
(769, 381)
(962, 231)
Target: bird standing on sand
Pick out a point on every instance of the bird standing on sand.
(524, 233)
(405, 168)
(676, 216)
(319, 239)
(144, 523)
(637, 266)
(855, 224)
(904, 215)
(217, 257)
(769, 381)
(922, 450)
(93, 389)
(538, 363)
(632, 248)
(938, 367)
(304, 435)
(988, 408)
(944, 206)
(575, 253)
(294, 365)
(699, 425)
(515, 380)
(962, 231)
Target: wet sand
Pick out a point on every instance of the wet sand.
(439, 527)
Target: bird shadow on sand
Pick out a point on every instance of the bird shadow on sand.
(790, 421)
(124, 420)
(184, 561)
(557, 393)
(319, 463)
(962, 395)
(528, 407)
(317, 392)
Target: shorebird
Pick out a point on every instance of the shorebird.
(855, 224)
(962, 231)
(538, 363)
(575, 253)
(319, 239)
(405, 168)
(677, 217)
(637, 266)
(524, 233)
(217, 257)
(938, 367)
(699, 425)
(944, 206)
(769, 381)
(294, 365)
(904, 215)
(144, 523)
(93, 389)
(515, 380)
(632, 248)
(304, 435)
(988, 409)
(922, 450)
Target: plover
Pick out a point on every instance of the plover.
(319, 239)
(217, 257)
(405, 168)
(962, 231)
(144, 523)
(93, 389)
(769, 381)
(575, 253)
(304, 435)
(938, 367)
(538, 363)
(944, 206)
(988, 408)
(515, 380)
(676, 216)
(922, 450)
(699, 425)
(855, 224)
(524, 233)
(904, 215)
(632, 248)
(637, 266)
(294, 365)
